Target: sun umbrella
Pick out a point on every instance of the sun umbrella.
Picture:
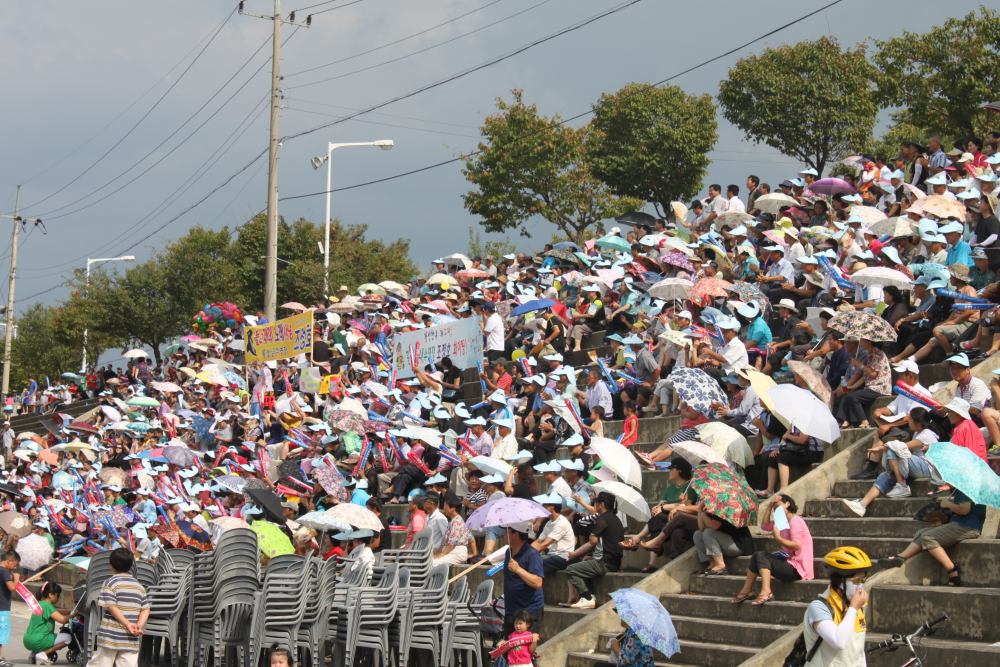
(671, 288)
(814, 380)
(881, 275)
(169, 533)
(710, 287)
(179, 456)
(35, 551)
(267, 499)
(619, 460)
(805, 411)
(531, 306)
(123, 515)
(233, 378)
(915, 191)
(323, 521)
(443, 319)
(201, 428)
(490, 465)
(393, 287)
(968, 473)
(863, 325)
(732, 219)
(343, 307)
(473, 274)
(698, 389)
(167, 386)
(171, 349)
(566, 245)
(253, 483)
(636, 218)
(943, 207)
(613, 242)
(113, 476)
(75, 446)
(355, 515)
(748, 293)
(271, 541)
(15, 523)
(696, 453)
(346, 420)
(293, 305)
(647, 618)
(898, 226)
(48, 456)
(458, 259)
(213, 377)
(725, 494)
(372, 288)
(135, 354)
(70, 376)
(772, 203)
(144, 402)
(761, 384)
(229, 523)
(439, 278)
(504, 512)
(330, 477)
(630, 500)
(193, 533)
(727, 442)
(234, 483)
(831, 187)
(679, 260)
(564, 255)
(866, 213)
(63, 480)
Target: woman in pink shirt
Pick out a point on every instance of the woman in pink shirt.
(418, 518)
(793, 563)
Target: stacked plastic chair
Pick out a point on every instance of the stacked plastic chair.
(466, 638)
(146, 573)
(422, 612)
(280, 606)
(312, 635)
(98, 572)
(459, 599)
(365, 620)
(168, 601)
(221, 602)
(418, 559)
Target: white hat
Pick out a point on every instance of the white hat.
(907, 366)
(551, 466)
(685, 313)
(937, 179)
(730, 323)
(572, 441)
(810, 171)
(498, 396)
(959, 406)
(787, 303)
(477, 421)
(575, 464)
(505, 423)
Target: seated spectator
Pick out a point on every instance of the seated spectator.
(965, 523)
(795, 450)
(454, 550)
(678, 494)
(418, 518)
(909, 373)
(794, 562)
(903, 460)
(494, 491)
(874, 381)
(716, 538)
(605, 546)
(953, 326)
(555, 537)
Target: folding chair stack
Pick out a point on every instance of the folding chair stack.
(168, 600)
(466, 636)
(422, 612)
(280, 606)
(366, 619)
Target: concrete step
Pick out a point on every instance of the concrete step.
(715, 654)
(729, 586)
(556, 585)
(875, 547)
(864, 527)
(757, 635)
(903, 508)
(973, 612)
(557, 619)
(592, 659)
(710, 606)
(978, 562)
(937, 652)
(853, 489)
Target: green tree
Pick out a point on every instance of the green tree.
(531, 165)
(199, 268)
(813, 101)
(943, 77)
(484, 249)
(652, 143)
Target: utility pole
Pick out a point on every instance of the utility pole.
(271, 249)
(9, 328)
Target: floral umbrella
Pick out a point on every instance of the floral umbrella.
(609, 276)
(560, 254)
(732, 219)
(725, 494)
(726, 441)
(35, 552)
(751, 293)
(671, 288)
(679, 260)
(169, 533)
(329, 477)
(253, 483)
(881, 275)
(813, 380)
(866, 213)
(472, 274)
(698, 389)
(710, 287)
(943, 207)
(356, 515)
(776, 237)
(346, 420)
(863, 325)
(898, 226)
(233, 378)
(113, 476)
(799, 214)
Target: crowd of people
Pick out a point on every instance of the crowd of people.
(824, 285)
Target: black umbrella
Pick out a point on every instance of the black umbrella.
(268, 500)
(8, 488)
(636, 218)
(51, 427)
(252, 483)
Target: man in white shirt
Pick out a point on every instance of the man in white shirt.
(939, 184)
(492, 328)
(436, 521)
(734, 202)
(731, 356)
(556, 539)
(716, 204)
(909, 373)
(506, 445)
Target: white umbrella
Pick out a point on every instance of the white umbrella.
(323, 521)
(458, 259)
(24, 435)
(727, 442)
(353, 405)
(431, 436)
(619, 460)
(132, 354)
(678, 244)
(235, 345)
(439, 278)
(355, 515)
(490, 465)
(696, 453)
(805, 412)
(630, 501)
(166, 386)
(881, 275)
(393, 288)
(671, 288)
(111, 413)
(771, 203)
(35, 551)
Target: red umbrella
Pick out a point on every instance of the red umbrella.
(710, 287)
(82, 426)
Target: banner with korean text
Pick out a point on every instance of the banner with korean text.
(283, 339)
(462, 341)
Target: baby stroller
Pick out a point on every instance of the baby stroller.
(75, 651)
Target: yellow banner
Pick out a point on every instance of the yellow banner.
(283, 339)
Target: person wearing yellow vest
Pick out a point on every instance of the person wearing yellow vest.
(837, 618)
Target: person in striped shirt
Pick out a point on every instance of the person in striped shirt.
(126, 612)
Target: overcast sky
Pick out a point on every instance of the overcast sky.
(78, 77)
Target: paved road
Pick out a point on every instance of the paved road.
(15, 651)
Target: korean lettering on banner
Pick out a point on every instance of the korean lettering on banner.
(461, 341)
(283, 339)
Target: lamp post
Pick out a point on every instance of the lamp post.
(317, 162)
(127, 258)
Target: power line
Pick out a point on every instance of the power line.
(423, 50)
(335, 8)
(144, 116)
(384, 46)
(375, 113)
(372, 122)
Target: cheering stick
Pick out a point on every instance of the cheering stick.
(612, 385)
(525, 366)
(381, 454)
(716, 335)
(911, 393)
(376, 417)
(958, 296)
(480, 405)
(482, 382)
(627, 377)
(299, 482)
(572, 409)
(464, 444)
(286, 491)
(415, 460)
(494, 558)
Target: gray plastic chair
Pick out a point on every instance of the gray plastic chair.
(467, 638)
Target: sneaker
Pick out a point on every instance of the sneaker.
(584, 603)
(899, 491)
(856, 506)
(865, 476)
(42, 659)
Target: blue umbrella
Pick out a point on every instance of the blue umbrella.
(233, 378)
(537, 304)
(963, 469)
(583, 258)
(148, 454)
(443, 319)
(612, 242)
(698, 389)
(138, 427)
(648, 618)
(650, 277)
(201, 426)
(567, 245)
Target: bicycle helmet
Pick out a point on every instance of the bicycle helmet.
(846, 561)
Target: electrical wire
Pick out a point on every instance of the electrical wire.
(372, 122)
(144, 116)
(375, 113)
(393, 43)
(336, 8)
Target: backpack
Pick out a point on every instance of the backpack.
(798, 655)
(491, 618)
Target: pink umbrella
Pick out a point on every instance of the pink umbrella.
(469, 274)
(293, 305)
(832, 186)
(608, 277)
(439, 305)
(190, 338)
(697, 453)
(677, 259)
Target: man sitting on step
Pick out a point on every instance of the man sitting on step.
(606, 546)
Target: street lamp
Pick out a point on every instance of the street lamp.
(317, 162)
(127, 258)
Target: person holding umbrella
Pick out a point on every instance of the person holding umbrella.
(523, 576)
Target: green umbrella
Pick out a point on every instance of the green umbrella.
(724, 494)
(144, 401)
(583, 258)
(613, 242)
(170, 349)
(271, 541)
(679, 233)
(371, 287)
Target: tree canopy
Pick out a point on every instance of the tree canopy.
(812, 101)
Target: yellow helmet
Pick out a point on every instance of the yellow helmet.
(846, 560)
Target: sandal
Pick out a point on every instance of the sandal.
(650, 568)
(628, 546)
(715, 573)
(941, 490)
(655, 550)
(957, 579)
(761, 599)
(741, 597)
